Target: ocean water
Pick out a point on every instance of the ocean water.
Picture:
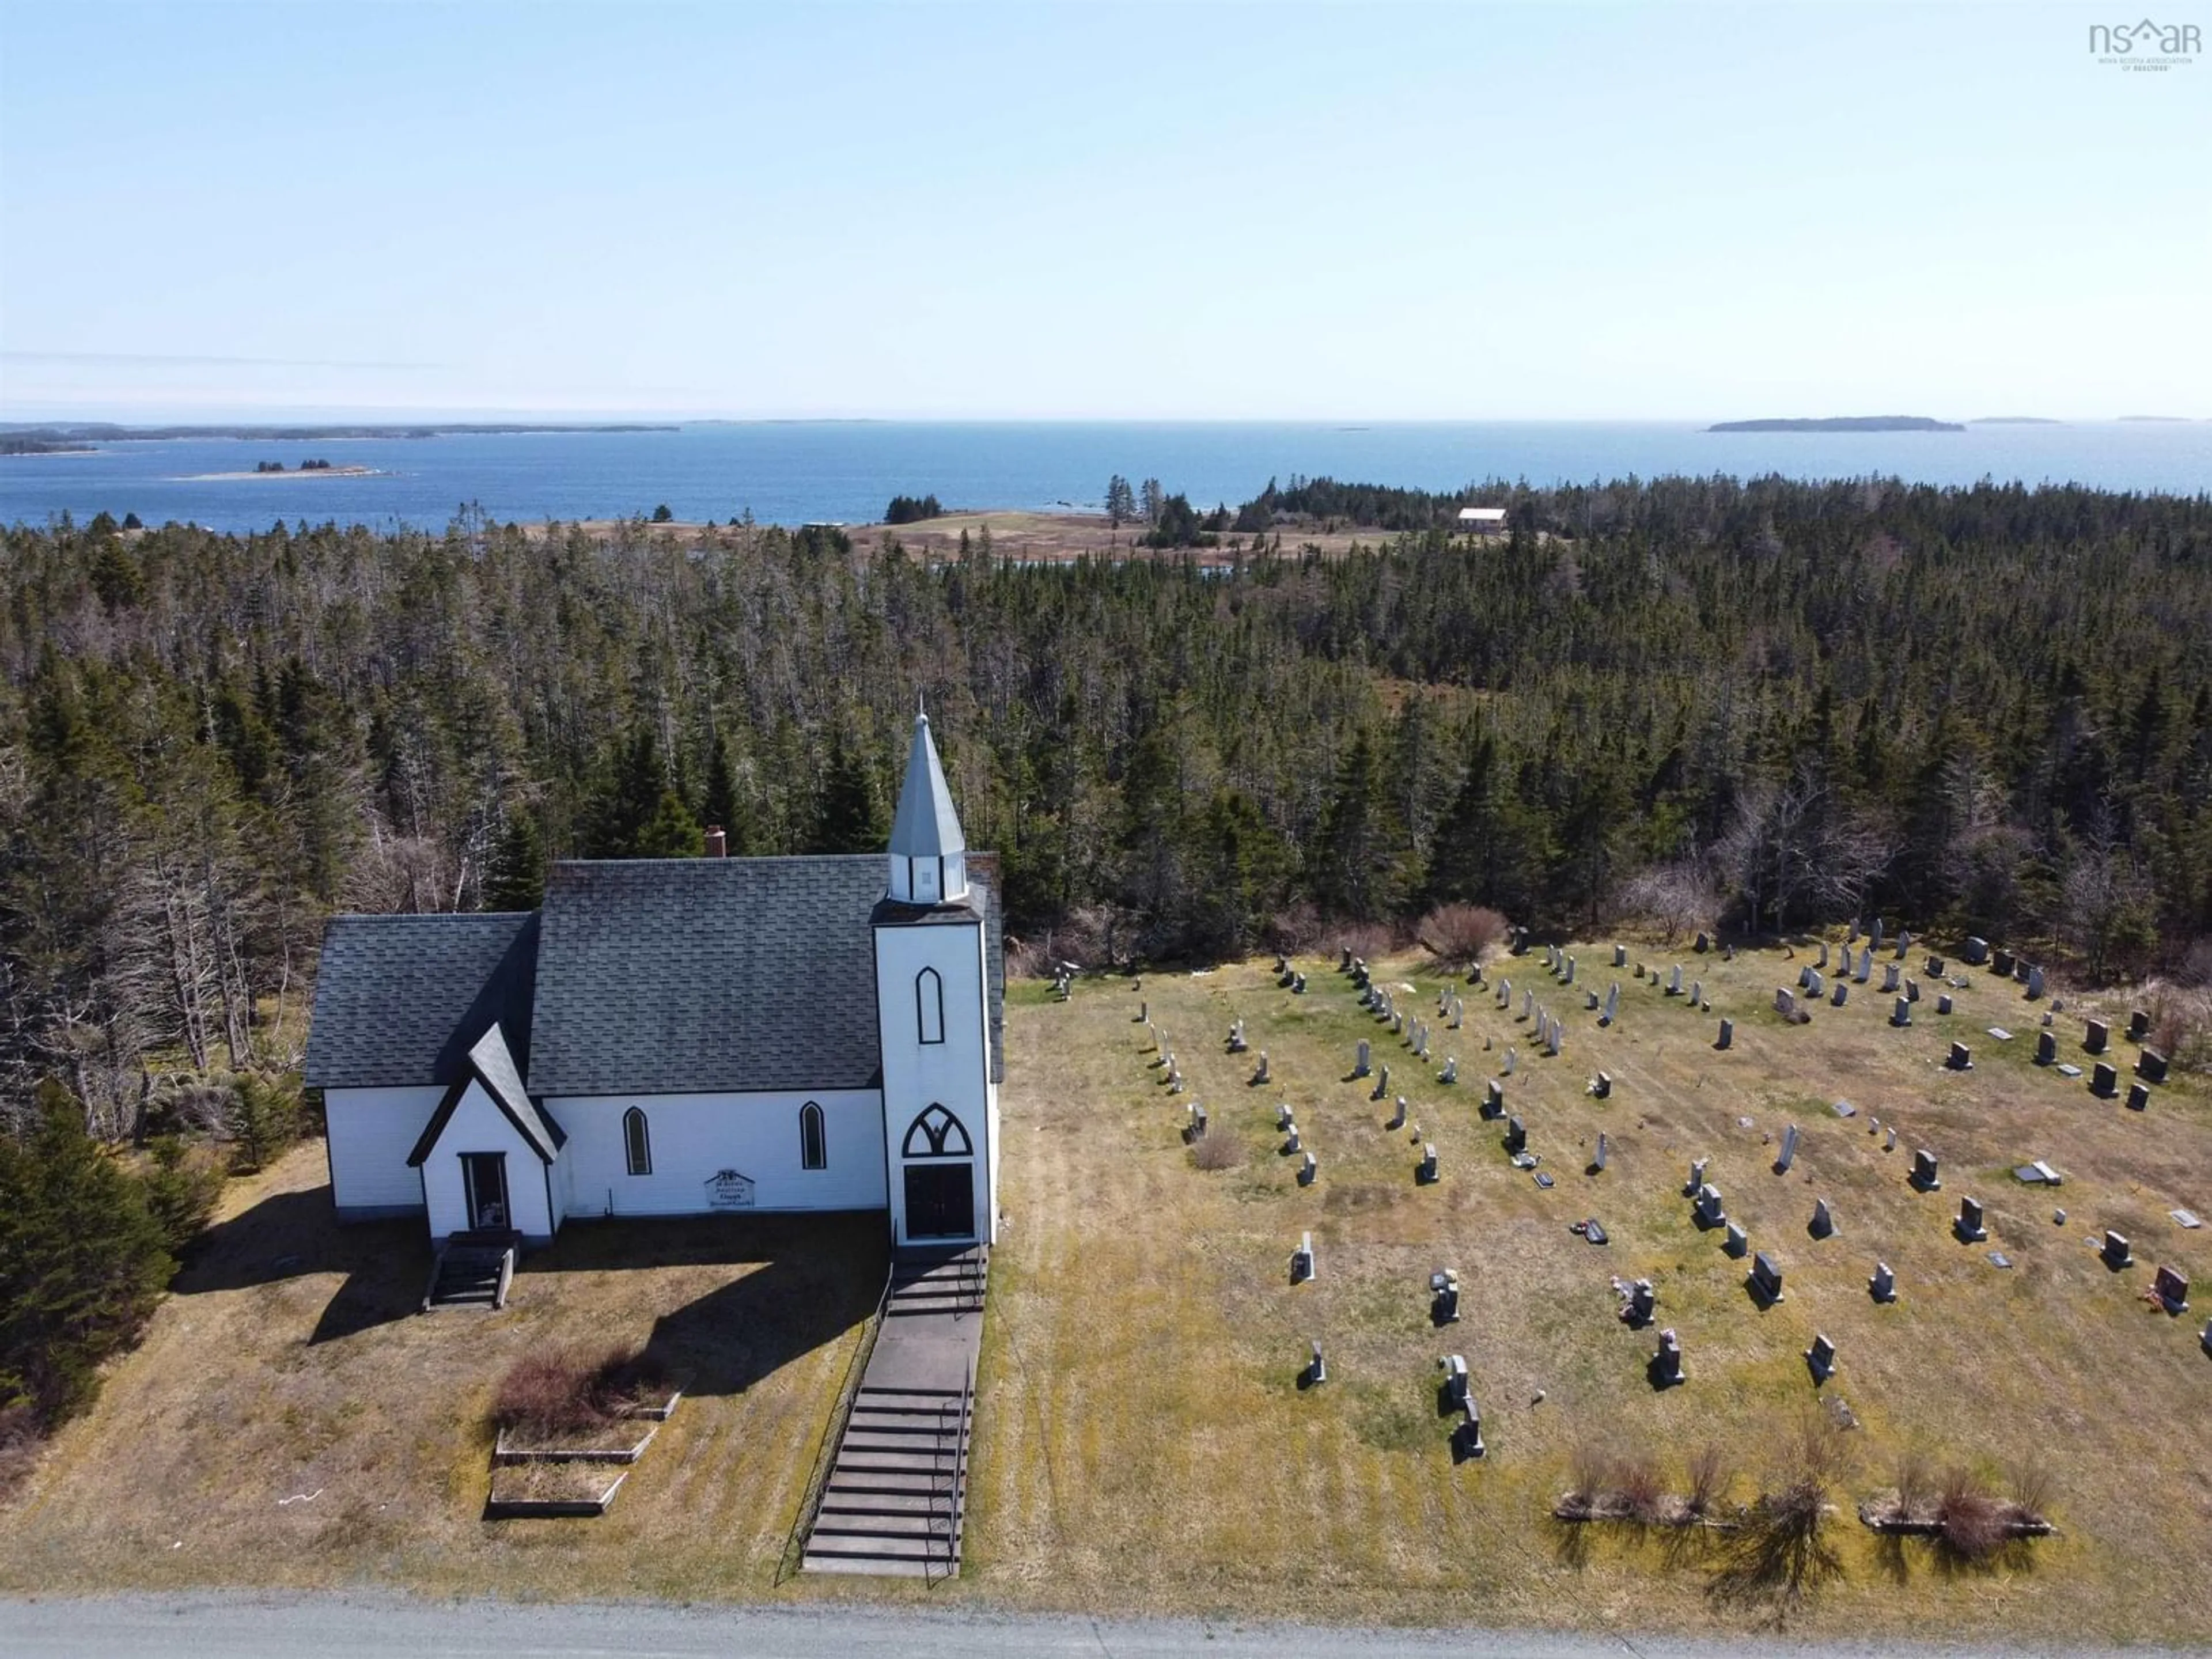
(793, 472)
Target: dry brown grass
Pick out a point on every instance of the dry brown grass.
(1144, 1339)
(546, 1396)
(291, 1366)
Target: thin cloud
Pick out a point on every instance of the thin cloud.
(159, 359)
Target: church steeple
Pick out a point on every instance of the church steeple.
(928, 853)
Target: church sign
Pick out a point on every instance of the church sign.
(728, 1190)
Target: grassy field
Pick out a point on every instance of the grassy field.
(1142, 1444)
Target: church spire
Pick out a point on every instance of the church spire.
(928, 853)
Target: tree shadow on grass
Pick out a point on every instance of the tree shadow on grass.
(290, 1235)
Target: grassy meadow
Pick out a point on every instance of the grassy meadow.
(1142, 1442)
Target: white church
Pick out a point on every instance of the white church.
(675, 1036)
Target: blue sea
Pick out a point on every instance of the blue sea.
(794, 473)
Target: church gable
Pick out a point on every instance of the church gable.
(400, 1000)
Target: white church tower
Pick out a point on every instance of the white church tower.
(932, 1008)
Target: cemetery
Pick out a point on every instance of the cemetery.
(1933, 1344)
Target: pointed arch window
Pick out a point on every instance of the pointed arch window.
(637, 1142)
(929, 1005)
(937, 1133)
(813, 1138)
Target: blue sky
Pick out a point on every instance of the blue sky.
(1092, 211)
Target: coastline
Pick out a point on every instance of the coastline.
(293, 472)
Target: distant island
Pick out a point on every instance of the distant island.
(2177, 418)
(2014, 420)
(78, 435)
(18, 443)
(1843, 423)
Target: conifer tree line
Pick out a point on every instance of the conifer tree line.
(1761, 704)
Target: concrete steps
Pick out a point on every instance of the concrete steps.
(469, 1274)
(895, 1502)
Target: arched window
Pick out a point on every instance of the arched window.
(637, 1143)
(937, 1133)
(813, 1141)
(929, 1005)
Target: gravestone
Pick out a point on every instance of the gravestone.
(1789, 1152)
(1397, 1024)
(1889, 977)
(1554, 1039)
(2138, 1026)
(1904, 942)
(1517, 1136)
(1734, 1241)
(1443, 1297)
(1805, 978)
(1601, 1086)
(1598, 1162)
(1924, 1174)
(1696, 1177)
(1935, 966)
(2104, 1081)
(1865, 970)
(2115, 1252)
(1874, 935)
(2138, 1097)
(1962, 1058)
(1453, 1367)
(1590, 1002)
(1290, 1141)
(1765, 1278)
(1175, 1081)
(1883, 1286)
(1969, 1226)
(2034, 983)
(1236, 1038)
(1504, 992)
(1943, 1003)
(2001, 964)
(1620, 956)
(1360, 1064)
(1450, 1072)
(1821, 961)
(1841, 994)
(1342, 967)
(1308, 1170)
(1381, 1084)
(1512, 1060)
(1612, 1005)
(1785, 1002)
(1821, 1357)
(1823, 1224)
(1259, 1076)
(2171, 1287)
(1977, 951)
(1711, 1211)
(2046, 1048)
(1424, 1173)
(1702, 944)
(1528, 1004)
(1297, 985)
(1675, 981)
(1667, 1363)
(1144, 1012)
(1569, 979)
(1466, 1434)
(1889, 1142)
(1397, 1115)
(1494, 1099)
(1912, 990)
(1901, 1014)
(2095, 1037)
(1316, 1372)
(1728, 1034)
(1643, 1300)
(1303, 1265)
(2151, 1065)
(1284, 1116)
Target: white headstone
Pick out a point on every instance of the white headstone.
(1789, 1149)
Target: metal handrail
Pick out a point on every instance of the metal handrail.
(954, 1493)
(802, 1528)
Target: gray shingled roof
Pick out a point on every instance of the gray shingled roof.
(925, 826)
(400, 1000)
(491, 1065)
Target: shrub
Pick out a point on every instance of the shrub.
(545, 1395)
(1458, 935)
(182, 1185)
(1781, 1551)
(19, 1445)
(1294, 932)
(263, 1118)
(1368, 940)
(1217, 1149)
(2180, 1024)
(1643, 1492)
(2031, 1486)
(1710, 1479)
(1970, 1523)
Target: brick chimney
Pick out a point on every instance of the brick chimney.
(718, 844)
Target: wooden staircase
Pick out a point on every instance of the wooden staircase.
(472, 1270)
(895, 1497)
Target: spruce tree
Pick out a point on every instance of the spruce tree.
(851, 818)
(515, 878)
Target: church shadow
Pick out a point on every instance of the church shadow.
(289, 1234)
(813, 1279)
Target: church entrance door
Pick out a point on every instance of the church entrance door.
(483, 1178)
(940, 1200)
